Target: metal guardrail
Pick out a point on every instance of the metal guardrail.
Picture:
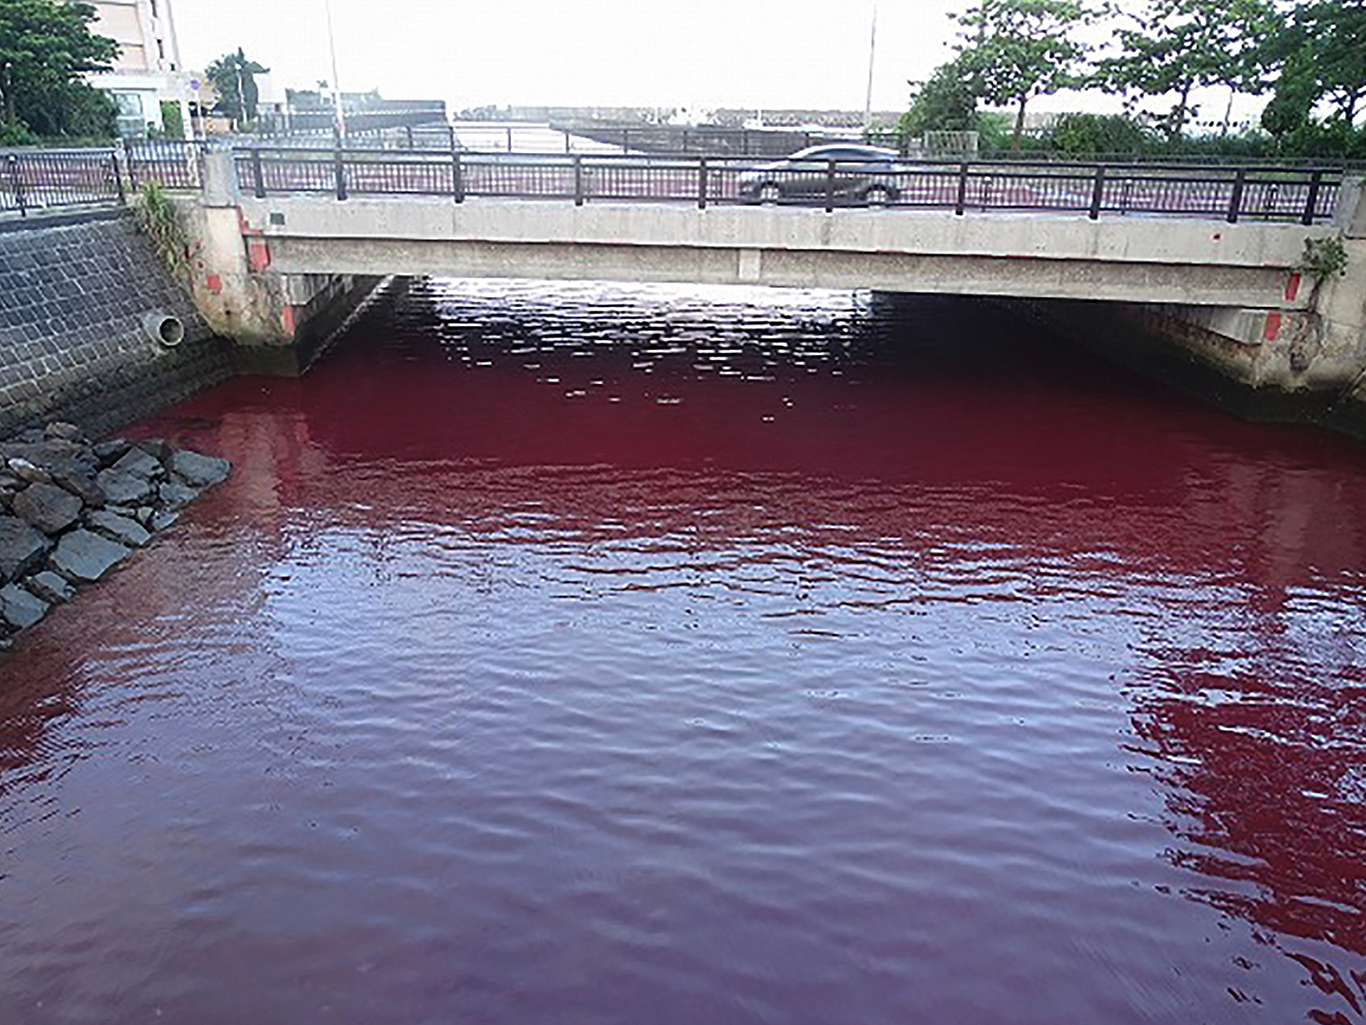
(55, 179)
(1306, 195)
(42, 180)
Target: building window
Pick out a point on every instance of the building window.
(131, 115)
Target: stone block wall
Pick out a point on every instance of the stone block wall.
(72, 345)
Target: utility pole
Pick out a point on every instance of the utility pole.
(336, 85)
(872, 52)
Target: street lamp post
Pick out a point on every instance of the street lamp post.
(336, 86)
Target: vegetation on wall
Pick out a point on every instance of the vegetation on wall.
(160, 221)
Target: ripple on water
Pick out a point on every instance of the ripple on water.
(796, 657)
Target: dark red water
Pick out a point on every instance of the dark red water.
(592, 654)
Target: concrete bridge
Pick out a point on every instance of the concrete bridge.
(287, 244)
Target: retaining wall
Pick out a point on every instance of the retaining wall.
(72, 346)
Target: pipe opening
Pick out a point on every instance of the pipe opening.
(163, 328)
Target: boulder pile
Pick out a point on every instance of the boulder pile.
(72, 509)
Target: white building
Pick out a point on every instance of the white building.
(147, 70)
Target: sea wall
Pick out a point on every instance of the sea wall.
(73, 345)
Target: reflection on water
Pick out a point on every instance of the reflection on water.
(587, 653)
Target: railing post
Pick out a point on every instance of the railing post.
(509, 131)
(578, 180)
(339, 169)
(12, 162)
(408, 130)
(1311, 204)
(1235, 201)
(829, 186)
(1097, 193)
(118, 176)
(457, 176)
(258, 178)
(702, 184)
(567, 148)
(960, 204)
(625, 140)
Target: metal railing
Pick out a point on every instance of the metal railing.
(41, 179)
(55, 180)
(1306, 195)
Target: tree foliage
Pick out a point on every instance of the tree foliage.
(45, 45)
(234, 77)
(944, 102)
(1321, 53)
(1011, 51)
(1169, 47)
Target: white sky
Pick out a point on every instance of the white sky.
(694, 54)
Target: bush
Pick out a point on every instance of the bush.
(172, 123)
(1092, 135)
(18, 135)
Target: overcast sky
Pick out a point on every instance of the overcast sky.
(668, 53)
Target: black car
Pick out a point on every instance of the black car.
(861, 174)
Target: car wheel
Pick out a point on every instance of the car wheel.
(770, 193)
(878, 195)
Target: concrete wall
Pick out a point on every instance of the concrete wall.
(280, 321)
(72, 343)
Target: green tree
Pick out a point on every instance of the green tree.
(944, 102)
(1321, 52)
(234, 77)
(1170, 47)
(1011, 51)
(45, 45)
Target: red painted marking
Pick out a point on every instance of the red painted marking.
(214, 283)
(287, 320)
(1292, 287)
(258, 254)
(243, 226)
(1273, 326)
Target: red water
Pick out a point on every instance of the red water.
(592, 654)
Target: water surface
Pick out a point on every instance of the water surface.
(593, 654)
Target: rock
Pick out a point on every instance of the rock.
(199, 471)
(111, 451)
(30, 435)
(50, 587)
(122, 488)
(31, 472)
(140, 464)
(19, 608)
(164, 520)
(118, 528)
(6, 643)
(50, 452)
(47, 507)
(21, 548)
(80, 484)
(63, 430)
(83, 556)
(144, 514)
(158, 448)
(175, 495)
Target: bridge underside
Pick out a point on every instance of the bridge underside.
(1196, 263)
(1218, 296)
(1254, 288)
